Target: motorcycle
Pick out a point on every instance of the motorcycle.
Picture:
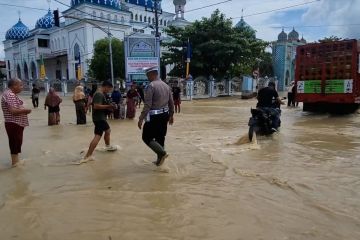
(261, 121)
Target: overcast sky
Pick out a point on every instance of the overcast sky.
(314, 20)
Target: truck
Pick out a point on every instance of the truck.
(327, 76)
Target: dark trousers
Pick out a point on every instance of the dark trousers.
(291, 100)
(156, 129)
(275, 114)
(117, 111)
(80, 114)
(35, 102)
(15, 134)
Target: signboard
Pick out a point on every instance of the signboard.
(140, 52)
(313, 86)
(135, 65)
(339, 86)
(331, 86)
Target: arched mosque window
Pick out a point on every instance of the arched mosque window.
(76, 51)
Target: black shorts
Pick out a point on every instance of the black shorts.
(101, 127)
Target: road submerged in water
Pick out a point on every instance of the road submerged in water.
(302, 183)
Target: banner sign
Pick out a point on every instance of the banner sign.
(135, 65)
(331, 86)
(140, 52)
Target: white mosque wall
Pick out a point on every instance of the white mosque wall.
(59, 55)
(56, 68)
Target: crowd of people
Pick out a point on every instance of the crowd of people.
(104, 103)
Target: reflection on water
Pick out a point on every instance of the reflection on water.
(302, 183)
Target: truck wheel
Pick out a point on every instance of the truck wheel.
(310, 107)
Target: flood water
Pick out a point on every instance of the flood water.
(302, 183)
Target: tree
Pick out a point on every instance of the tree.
(330, 39)
(266, 65)
(218, 48)
(100, 63)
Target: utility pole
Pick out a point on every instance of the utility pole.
(111, 57)
(156, 19)
(188, 57)
(155, 9)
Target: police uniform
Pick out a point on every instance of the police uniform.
(158, 108)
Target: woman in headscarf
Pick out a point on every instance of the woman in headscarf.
(131, 102)
(80, 105)
(52, 102)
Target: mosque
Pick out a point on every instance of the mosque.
(63, 48)
(242, 25)
(284, 53)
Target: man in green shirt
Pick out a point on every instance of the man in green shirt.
(100, 109)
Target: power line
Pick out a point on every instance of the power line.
(211, 5)
(319, 26)
(277, 9)
(19, 6)
(262, 25)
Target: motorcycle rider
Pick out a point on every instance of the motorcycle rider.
(269, 101)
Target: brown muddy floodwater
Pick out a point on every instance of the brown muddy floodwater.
(302, 183)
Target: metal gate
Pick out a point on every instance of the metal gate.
(236, 86)
(201, 87)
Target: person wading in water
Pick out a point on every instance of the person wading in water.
(158, 111)
(100, 108)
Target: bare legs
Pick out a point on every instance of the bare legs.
(96, 141)
(177, 108)
(14, 159)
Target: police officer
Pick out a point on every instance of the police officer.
(157, 113)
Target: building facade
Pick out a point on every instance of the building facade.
(64, 48)
(284, 53)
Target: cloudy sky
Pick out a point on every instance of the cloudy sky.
(312, 19)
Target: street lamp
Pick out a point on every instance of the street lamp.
(111, 56)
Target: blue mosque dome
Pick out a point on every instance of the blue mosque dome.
(283, 36)
(18, 32)
(106, 3)
(144, 3)
(46, 21)
(293, 35)
(242, 25)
